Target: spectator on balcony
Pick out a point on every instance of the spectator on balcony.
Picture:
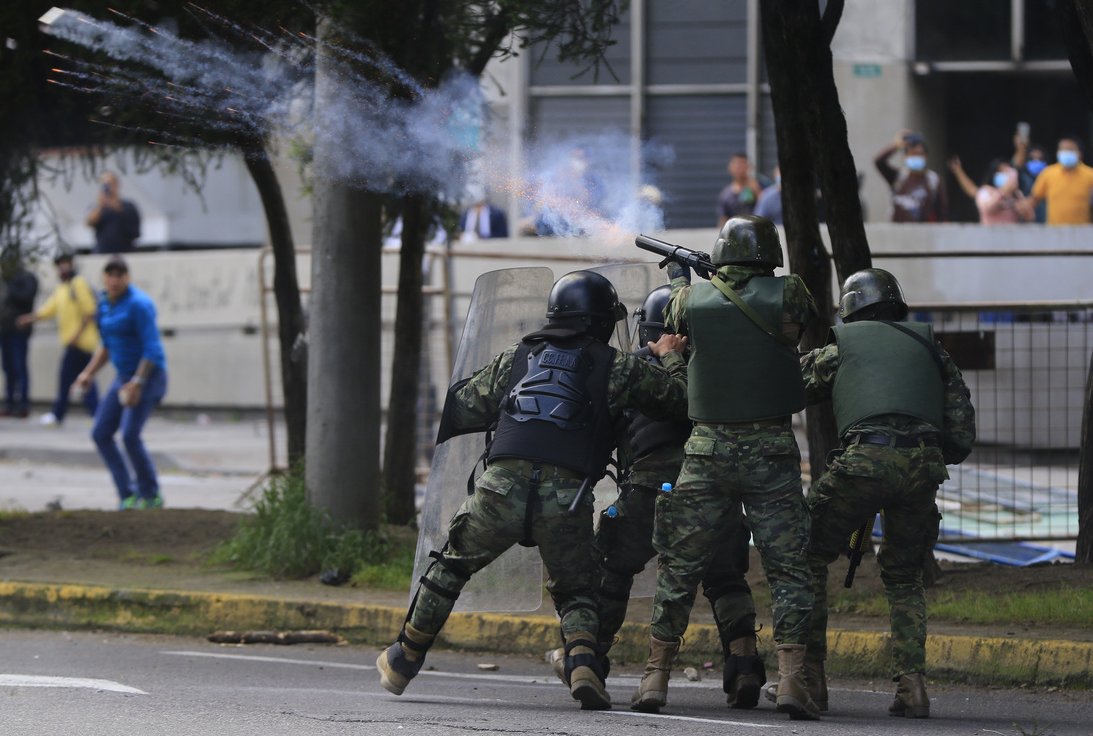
(997, 196)
(918, 193)
(1029, 162)
(1066, 186)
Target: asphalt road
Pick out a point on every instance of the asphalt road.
(90, 684)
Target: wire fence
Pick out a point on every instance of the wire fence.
(1026, 367)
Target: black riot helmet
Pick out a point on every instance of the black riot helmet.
(651, 315)
(588, 300)
(747, 240)
(872, 293)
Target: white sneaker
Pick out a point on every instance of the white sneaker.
(48, 420)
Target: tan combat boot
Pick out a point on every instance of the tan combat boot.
(652, 692)
(400, 662)
(586, 680)
(911, 698)
(792, 695)
(744, 673)
(816, 682)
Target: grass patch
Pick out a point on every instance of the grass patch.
(393, 573)
(289, 538)
(1065, 607)
(1060, 607)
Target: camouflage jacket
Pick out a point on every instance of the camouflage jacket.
(798, 305)
(820, 366)
(633, 383)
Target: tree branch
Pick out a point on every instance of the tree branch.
(497, 28)
(833, 13)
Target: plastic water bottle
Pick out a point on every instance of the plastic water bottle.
(665, 487)
(611, 512)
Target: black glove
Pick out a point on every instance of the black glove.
(677, 270)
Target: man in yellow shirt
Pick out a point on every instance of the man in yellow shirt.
(1067, 186)
(73, 305)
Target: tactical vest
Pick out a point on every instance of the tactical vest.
(884, 371)
(555, 410)
(739, 373)
(644, 434)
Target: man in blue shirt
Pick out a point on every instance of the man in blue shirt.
(130, 340)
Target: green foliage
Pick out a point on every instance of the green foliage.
(392, 573)
(289, 538)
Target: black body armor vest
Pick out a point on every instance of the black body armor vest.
(555, 411)
(644, 434)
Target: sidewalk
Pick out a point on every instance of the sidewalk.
(204, 462)
(209, 464)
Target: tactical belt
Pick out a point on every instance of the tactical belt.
(526, 468)
(761, 424)
(884, 440)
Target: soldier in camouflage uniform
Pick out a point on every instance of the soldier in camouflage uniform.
(903, 413)
(744, 385)
(651, 453)
(555, 399)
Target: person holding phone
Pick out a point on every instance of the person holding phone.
(130, 340)
(918, 193)
(116, 221)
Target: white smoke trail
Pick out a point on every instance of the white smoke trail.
(427, 142)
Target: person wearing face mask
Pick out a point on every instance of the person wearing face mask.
(1029, 162)
(997, 196)
(1066, 186)
(918, 193)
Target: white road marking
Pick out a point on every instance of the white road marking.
(75, 682)
(693, 719)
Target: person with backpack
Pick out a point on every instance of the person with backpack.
(918, 193)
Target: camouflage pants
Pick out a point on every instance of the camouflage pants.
(624, 546)
(901, 484)
(727, 465)
(493, 520)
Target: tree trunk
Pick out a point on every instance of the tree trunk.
(838, 176)
(400, 444)
(291, 325)
(808, 258)
(1075, 20)
(343, 469)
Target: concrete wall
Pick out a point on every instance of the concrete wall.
(209, 301)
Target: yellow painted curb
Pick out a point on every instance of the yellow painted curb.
(995, 660)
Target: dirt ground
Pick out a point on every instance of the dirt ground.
(182, 538)
(184, 535)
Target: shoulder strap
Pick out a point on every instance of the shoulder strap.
(721, 285)
(931, 349)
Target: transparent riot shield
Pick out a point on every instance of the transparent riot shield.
(505, 306)
(633, 282)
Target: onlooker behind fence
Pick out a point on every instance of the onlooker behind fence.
(482, 220)
(741, 194)
(1066, 186)
(918, 193)
(20, 286)
(73, 305)
(997, 196)
(770, 200)
(1029, 160)
(130, 340)
(116, 221)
